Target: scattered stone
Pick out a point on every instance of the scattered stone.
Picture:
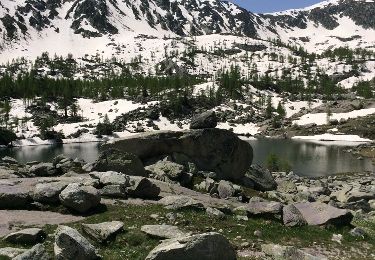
(30, 236)
(118, 161)
(102, 232)
(10, 252)
(205, 120)
(142, 188)
(180, 202)
(162, 169)
(292, 217)
(337, 238)
(163, 231)
(262, 178)
(37, 252)
(80, 198)
(357, 232)
(214, 150)
(258, 233)
(226, 189)
(111, 178)
(70, 244)
(9, 160)
(202, 246)
(48, 192)
(113, 191)
(287, 187)
(288, 253)
(215, 213)
(261, 208)
(316, 214)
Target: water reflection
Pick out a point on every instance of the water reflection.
(306, 159)
(310, 159)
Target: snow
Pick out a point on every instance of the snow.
(321, 118)
(334, 138)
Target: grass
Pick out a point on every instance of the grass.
(133, 244)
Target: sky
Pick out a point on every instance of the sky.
(268, 6)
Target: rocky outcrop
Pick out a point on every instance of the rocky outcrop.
(37, 252)
(214, 150)
(203, 246)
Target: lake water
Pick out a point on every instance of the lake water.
(306, 158)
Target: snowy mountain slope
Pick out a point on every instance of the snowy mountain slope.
(34, 25)
(326, 25)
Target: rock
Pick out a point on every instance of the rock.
(287, 187)
(70, 244)
(48, 192)
(357, 232)
(102, 232)
(203, 246)
(180, 202)
(337, 238)
(258, 233)
(292, 217)
(114, 191)
(9, 160)
(111, 178)
(205, 120)
(10, 252)
(215, 213)
(142, 188)
(43, 170)
(6, 173)
(14, 199)
(119, 161)
(171, 170)
(288, 253)
(80, 198)
(226, 189)
(316, 214)
(261, 208)
(262, 178)
(163, 231)
(26, 236)
(37, 252)
(214, 150)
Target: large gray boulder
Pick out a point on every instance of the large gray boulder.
(119, 161)
(79, 197)
(143, 188)
(292, 217)
(208, 246)
(37, 252)
(316, 214)
(205, 120)
(102, 232)
(26, 236)
(48, 192)
(261, 177)
(214, 149)
(43, 169)
(14, 198)
(70, 244)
